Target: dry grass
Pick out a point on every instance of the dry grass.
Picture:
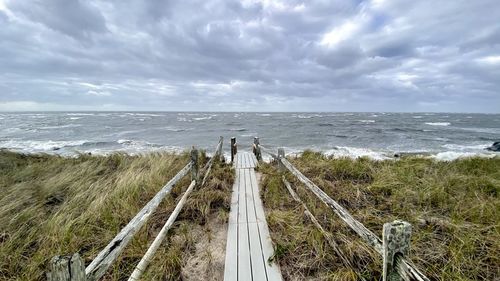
(52, 205)
(453, 207)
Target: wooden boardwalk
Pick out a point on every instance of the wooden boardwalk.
(249, 245)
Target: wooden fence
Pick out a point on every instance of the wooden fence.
(72, 268)
(394, 245)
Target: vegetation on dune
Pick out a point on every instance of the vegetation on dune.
(51, 205)
(453, 207)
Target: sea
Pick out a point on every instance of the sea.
(376, 135)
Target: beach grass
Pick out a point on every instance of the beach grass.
(454, 209)
(52, 205)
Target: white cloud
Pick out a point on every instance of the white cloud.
(493, 60)
(339, 34)
(252, 55)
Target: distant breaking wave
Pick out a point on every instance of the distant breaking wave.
(438, 123)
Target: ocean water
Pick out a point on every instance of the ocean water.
(376, 135)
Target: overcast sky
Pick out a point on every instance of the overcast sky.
(338, 55)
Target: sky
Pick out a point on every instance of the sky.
(250, 55)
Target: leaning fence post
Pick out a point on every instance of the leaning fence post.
(194, 167)
(66, 268)
(234, 148)
(396, 241)
(281, 154)
(256, 149)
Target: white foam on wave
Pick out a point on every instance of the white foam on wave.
(417, 117)
(38, 146)
(366, 121)
(483, 130)
(75, 118)
(145, 114)
(202, 118)
(438, 123)
(453, 155)
(308, 116)
(355, 152)
(60, 127)
(80, 114)
(467, 147)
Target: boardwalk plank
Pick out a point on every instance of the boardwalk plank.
(251, 212)
(259, 208)
(249, 245)
(258, 263)
(244, 263)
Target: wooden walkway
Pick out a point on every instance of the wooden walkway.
(249, 245)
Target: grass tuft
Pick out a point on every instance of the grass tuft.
(51, 205)
(453, 207)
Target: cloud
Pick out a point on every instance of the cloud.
(250, 55)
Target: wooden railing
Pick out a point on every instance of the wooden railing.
(394, 245)
(72, 268)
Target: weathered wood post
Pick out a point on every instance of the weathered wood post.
(281, 154)
(396, 241)
(194, 167)
(234, 148)
(66, 268)
(256, 149)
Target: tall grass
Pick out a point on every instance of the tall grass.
(453, 207)
(52, 205)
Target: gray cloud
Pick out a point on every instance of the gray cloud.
(250, 55)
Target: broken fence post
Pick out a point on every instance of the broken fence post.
(396, 241)
(234, 148)
(66, 268)
(256, 149)
(281, 154)
(194, 167)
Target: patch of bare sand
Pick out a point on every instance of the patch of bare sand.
(207, 262)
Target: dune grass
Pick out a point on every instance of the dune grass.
(453, 207)
(51, 205)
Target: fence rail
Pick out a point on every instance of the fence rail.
(71, 268)
(394, 245)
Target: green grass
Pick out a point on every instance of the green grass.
(453, 207)
(51, 205)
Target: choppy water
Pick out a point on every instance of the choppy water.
(376, 135)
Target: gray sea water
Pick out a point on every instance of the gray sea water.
(376, 135)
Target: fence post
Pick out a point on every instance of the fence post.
(281, 154)
(396, 238)
(234, 148)
(66, 268)
(194, 167)
(256, 149)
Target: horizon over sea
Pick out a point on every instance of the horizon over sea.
(377, 135)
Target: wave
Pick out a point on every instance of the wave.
(483, 130)
(39, 146)
(145, 114)
(238, 129)
(80, 114)
(467, 147)
(438, 123)
(453, 155)
(366, 121)
(202, 118)
(355, 152)
(59, 127)
(325, 125)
